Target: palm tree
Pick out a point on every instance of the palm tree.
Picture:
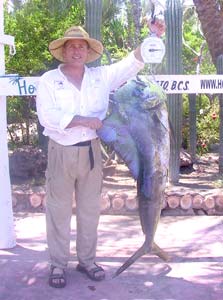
(210, 14)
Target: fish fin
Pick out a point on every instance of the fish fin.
(125, 147)
(107, 134)
(140, 252)
(160, 252)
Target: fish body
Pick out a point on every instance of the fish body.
(137, 129)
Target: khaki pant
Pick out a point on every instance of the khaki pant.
(68, 171)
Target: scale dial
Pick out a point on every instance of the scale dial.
(152, 50)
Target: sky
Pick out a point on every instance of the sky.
(160, 5)
(188, 2)
(185, 2)
(162, 2)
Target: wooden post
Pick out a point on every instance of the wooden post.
(192, 126)
(7, 233)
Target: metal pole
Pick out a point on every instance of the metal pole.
(7, 233)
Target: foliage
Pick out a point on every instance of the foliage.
(119, 29)
(207, 125)
(195, 48)
(207, 108)
(34, 25)
(20, 119)
(197, 60)
(110, 10)
(115, 39)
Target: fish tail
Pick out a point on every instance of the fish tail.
(160, 252)
(140, 252)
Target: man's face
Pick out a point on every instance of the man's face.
(75, 51)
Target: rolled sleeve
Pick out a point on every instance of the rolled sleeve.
(120, 72)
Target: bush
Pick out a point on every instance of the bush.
(207, 123)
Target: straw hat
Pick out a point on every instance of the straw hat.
(76, 32)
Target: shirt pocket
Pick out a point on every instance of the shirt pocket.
(97, 98)
(65, 100)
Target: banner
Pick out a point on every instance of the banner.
(191, 84)
(14, 85)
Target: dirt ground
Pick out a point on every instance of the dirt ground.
(194, 271)
(194, 244)
(204, 174)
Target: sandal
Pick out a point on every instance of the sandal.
(96, 273)
(57, 279)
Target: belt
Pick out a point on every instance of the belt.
(91, 156)
(82, 144)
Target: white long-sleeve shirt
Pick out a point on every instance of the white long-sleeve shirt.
(58, 100)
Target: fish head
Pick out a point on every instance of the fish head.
(151, 96)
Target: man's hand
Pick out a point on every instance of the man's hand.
(93, 123)
(90, 122)
(157, 26)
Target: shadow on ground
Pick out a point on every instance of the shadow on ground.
(195, 271)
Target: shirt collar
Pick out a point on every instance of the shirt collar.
(62, 74)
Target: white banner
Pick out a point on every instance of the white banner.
(14, 85)
(191, 84)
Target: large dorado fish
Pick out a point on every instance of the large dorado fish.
(137, 129)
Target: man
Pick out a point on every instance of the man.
(72, 102)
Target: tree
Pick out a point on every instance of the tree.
(210, 14)
(197, 60)
(35, 23)
(134, 11)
